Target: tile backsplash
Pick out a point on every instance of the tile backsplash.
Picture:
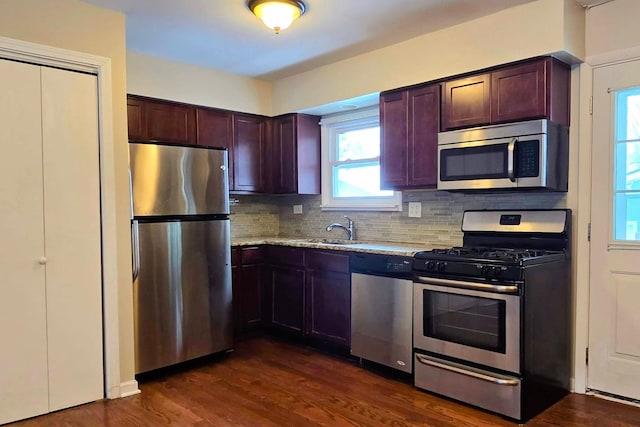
(439, 225)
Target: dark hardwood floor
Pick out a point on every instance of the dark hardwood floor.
(268, 382)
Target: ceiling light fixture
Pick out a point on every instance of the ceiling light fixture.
(277, 14)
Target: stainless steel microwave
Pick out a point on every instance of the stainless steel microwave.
(524, 155)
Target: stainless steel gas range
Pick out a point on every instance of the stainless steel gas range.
(492, 318)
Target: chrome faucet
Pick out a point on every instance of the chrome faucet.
(349, 230)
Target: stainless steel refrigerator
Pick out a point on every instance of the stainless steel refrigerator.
(182, 253)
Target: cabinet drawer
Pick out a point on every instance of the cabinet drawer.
(252, 255)
(328, 261)
(283, 255)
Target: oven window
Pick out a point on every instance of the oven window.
(472, 321)
(483, 162)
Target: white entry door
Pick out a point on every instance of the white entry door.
(614, 300)
(50, 241)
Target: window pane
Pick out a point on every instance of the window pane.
(361, 180)
(359, 144)
(627, 166)
(627, 218)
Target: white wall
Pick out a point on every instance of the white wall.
(161, 78)
(537, 28)
(78, 26)
(612, 27)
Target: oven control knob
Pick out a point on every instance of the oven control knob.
(497, 271)
(484, 270)
(431, 265)
(441, 266)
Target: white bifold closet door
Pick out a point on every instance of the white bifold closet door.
(51, 354)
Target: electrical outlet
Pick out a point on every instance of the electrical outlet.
(415, 210)
(297, 209)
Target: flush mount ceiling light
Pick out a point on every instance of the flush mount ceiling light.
(277, 14)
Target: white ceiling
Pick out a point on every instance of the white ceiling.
(225, 35)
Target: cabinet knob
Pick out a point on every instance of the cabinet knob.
(223, 167)
(42, 260)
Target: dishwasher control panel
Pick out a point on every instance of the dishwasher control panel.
(381, 264)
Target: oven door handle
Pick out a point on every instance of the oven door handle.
(484, 377)
(503, 289)
(511, 159)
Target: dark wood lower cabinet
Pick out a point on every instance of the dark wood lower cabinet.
(311, 294)
(329, 306)
(302, 292)
(248, 282)
(287, 293)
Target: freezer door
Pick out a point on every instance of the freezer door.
(175, 180)
(182, 294)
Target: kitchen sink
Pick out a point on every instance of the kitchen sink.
(332, 241)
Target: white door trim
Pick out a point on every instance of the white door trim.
(101, 66)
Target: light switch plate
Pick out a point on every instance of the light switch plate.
(415, 210)
(297, 209)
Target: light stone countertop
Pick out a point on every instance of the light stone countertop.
(384, 248)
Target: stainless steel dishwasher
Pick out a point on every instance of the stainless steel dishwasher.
(382, 309)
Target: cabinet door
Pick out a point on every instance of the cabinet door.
(235, 290)
(250, 292)
(466, 102)
(393, 140)
(284, 156)
(215, 129)
(329, 306)
(287, 293)
(171, 123)
(424, 124)
(518, 93)
(135, 120)
(249, 153)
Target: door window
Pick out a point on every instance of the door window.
(626, 186)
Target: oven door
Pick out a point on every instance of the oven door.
(488, 164)
(477, 326)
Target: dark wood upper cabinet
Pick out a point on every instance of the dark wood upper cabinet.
(393, 139)
(135, 119)
(424, 124)
(172, 123)
(466, 102)
(160, 121)
(279, 155)
(249, 150)
(409, 123)
(539, 89)
(533, 89)
(295, 154)
(215, 129)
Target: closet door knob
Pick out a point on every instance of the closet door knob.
(42, 260)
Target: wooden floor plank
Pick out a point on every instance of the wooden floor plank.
(269, 382)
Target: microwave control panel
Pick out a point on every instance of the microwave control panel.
(527, 159)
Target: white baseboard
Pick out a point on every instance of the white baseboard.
(129, 388)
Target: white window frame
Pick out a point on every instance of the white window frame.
(330, 127)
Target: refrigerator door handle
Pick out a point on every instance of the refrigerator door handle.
(135, 243)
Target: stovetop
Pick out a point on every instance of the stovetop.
(487, 253)
(482, 262)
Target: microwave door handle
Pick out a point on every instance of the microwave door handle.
(511, 148)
